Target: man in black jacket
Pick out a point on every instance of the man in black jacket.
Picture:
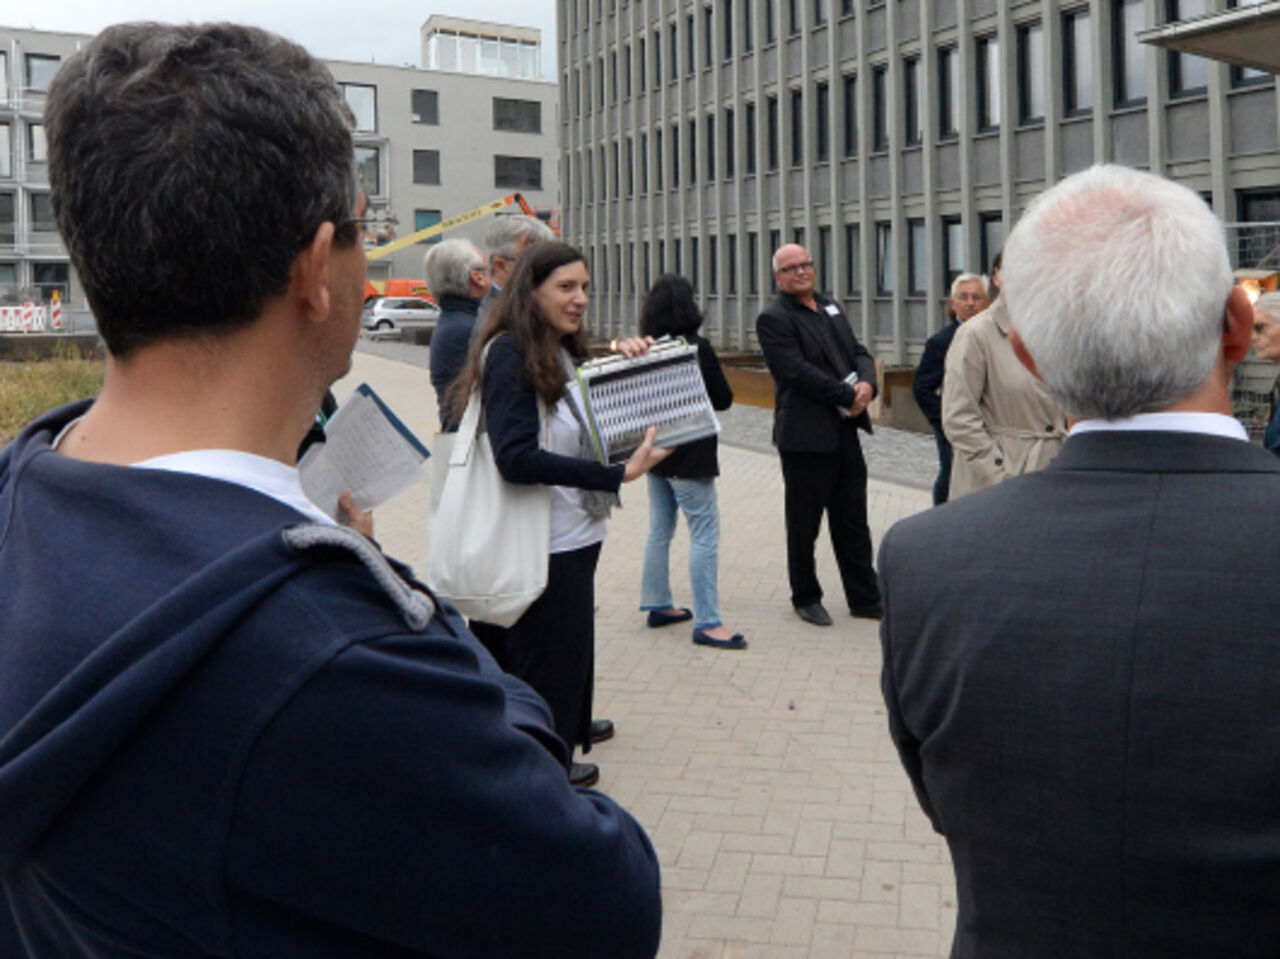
(969, 297)
(823, 380)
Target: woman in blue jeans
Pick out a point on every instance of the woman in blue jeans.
(686, 481)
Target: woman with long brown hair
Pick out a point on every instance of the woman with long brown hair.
(523, 354)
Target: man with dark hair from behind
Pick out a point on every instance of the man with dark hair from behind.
(229, 726)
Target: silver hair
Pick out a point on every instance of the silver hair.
(448, 265)
(1117, 281)
(508, 232)
(969, 278)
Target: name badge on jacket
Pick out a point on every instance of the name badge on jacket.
(832, 309)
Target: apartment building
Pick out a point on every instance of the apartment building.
(430, 143)
(898, 140)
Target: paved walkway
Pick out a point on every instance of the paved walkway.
(766, 778)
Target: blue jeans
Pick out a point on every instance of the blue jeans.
(697, 498)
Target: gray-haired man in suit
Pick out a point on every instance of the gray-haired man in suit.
(1082, 665)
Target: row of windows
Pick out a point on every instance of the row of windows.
(686, 258)
(37, 73)
(509, 115)
(1188, 74)
(39, 211)
(516, 172)
(45, 277)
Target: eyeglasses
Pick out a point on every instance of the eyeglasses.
(806, 265)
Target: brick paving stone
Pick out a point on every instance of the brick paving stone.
(765, 778)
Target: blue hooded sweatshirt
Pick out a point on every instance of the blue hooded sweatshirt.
(227, 732)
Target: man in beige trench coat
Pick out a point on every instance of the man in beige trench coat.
(1000, 419)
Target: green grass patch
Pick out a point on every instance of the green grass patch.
(30, 388)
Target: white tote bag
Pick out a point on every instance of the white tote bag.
(490, 540)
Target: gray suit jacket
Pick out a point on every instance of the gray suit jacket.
(1082, 673)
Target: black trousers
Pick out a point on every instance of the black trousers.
(552, 646)
(836, 484)
(942, 485)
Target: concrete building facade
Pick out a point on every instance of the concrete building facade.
(430, 144)
(897, 139)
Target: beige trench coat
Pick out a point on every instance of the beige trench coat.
(1000, 419)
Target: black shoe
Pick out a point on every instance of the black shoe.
(583, 774)
(601, 729)
(874, 611)
(814, 614)
(658, 617)
(736, 641)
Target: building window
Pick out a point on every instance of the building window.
(522, 173)
(690, 67)
(631, 166)
(677, 266)
(846, 8)
(917, 259)
(852, 259)
(613, 76)
(748, 40)
(1188, 75)
(4, 76)
(590, 174)
(948, 90)
(880, 108)
(517, 116)
(7, 221)
(708, 41)
(992, 238)
(617, 171)
(657, 159)
(42, 214)
(729, 145)
(657, 59)
(770, 15)
(644, 163)
(425, 219)
(913, 102)
(40, 71)
(425, 105)
(819, 12)
(822, 120)
(37, 148)
(693, 152)
(626, 74)
(771, 134)
(712, 278)
(952, 250)
(775, 241)
(1077, 63)
(797, 128)
(600, 79)
(647, 272)
(797, 236)
(988, 58)
(362, 99)
(8, 275)
(793, 17)
(726, 32)
(369, 170)
(749, 137)
(709, 146)
(6, 151)
(675, 155)
(1030, 73)
(824, 259)
(693, 261)
(850, 115)
(884, 259)
(426, 167)
(753, 263)
(673, 44)
(48, 277)
(1128, 17)
(641, 65)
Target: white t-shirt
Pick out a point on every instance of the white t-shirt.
(572, 527)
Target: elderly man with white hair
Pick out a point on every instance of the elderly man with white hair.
(1082, 664)
(456, 275)
(506, 240)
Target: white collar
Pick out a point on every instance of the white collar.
(1212, 424)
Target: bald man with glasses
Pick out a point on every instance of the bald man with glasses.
(823, 381)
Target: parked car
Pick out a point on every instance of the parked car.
(394, 312)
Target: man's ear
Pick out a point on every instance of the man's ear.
(1237, 332)
(309, 279)
(1020, 351)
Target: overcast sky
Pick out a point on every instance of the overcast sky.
(385, 31)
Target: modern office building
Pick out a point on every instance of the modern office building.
(431, 143)
(897, 140)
